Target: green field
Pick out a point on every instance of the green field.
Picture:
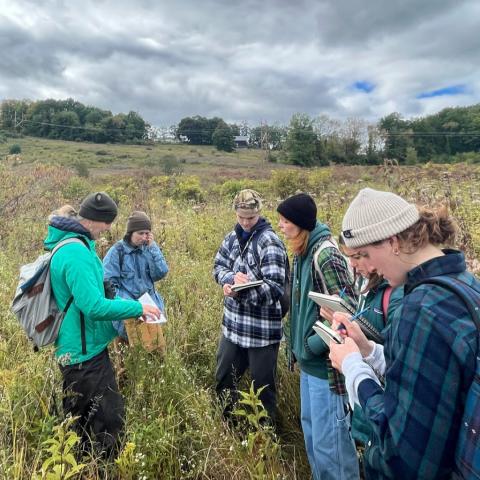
(102, 159)
(174, 427)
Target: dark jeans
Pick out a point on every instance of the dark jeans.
(91, 393)
(233, 360)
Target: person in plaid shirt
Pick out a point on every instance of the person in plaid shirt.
(252, 318)
(324, 408)
(429, 357)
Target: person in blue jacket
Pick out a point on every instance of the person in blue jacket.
(134, 264)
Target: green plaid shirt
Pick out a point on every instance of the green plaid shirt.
(337, 278)
(304, 345)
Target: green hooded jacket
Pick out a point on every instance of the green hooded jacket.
(76, 270)
(303, 313)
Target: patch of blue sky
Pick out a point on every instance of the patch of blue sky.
(364, 86)
(452, 90)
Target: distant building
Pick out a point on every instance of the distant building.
(241, 141)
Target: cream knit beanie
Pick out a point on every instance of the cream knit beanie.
(373, 216)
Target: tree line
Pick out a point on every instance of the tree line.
(71, 120)
(452, 134)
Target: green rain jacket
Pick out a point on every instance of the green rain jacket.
(361, 429)
(76, 270)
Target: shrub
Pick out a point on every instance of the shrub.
(170, 165)
(15, 149)
(318, 179)
(188, 188)
(81, 168)
(231, 187)
(287, 182)
(76, 189)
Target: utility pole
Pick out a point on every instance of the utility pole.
(15, 124)
(264, 140)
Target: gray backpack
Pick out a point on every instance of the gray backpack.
(34, 304)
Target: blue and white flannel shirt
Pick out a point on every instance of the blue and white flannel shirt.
(253, 318)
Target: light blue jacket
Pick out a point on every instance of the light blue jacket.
(134, 271)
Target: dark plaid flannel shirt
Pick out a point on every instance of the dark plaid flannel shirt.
(430, 351)
(254, 317)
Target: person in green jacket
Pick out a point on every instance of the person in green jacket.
(89, 385)
(319, 266)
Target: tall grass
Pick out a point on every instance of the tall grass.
(174, 427)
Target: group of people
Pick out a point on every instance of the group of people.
(409, 395)
(103, 296)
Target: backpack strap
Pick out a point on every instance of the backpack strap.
(328, 242)
(121, 254)
(387, 293)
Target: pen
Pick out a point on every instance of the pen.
(354, 317)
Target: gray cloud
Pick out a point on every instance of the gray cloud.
(241, 61)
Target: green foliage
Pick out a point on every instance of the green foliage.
(318, 179)
(15, 149)
(303, 146)
(198, 130)
(76, 189)
(188, 188)
(301, 143)
(171, 165)
(261, 443)
(71, 120)
(126, 462)
(287, 182)
(231, 187)
(61, 463)
(449, 132)
(222, 138)
(411, 156)
(81, 168)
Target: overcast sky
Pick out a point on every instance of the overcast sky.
(248, 60)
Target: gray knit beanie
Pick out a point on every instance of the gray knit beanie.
(374, 215)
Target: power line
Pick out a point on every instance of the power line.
(262, 127)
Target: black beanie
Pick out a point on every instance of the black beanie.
(299, 209)
(138, 221)
(98, 207)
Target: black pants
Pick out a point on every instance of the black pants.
(233, 360)
(91, 393)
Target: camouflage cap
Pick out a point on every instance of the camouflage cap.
(248, 201)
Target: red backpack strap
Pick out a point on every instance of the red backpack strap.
(387, 293)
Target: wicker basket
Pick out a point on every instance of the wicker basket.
(148, 335)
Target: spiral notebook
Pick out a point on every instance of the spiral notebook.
(333, 302)
(242, 286)
(327, 334)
